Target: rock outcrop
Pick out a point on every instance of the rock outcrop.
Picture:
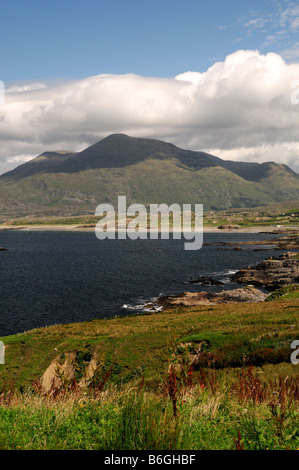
(63, 370)
(283, 243)
(229, 227)
(59, 371)
(193, 299)
(271, 273)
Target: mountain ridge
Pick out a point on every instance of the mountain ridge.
(118, 150)
(146, 171)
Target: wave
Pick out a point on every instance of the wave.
(145, 306)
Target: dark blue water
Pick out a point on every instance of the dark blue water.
(63, 277)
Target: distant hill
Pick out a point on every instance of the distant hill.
(65, 183)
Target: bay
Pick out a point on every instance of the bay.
(52, 277)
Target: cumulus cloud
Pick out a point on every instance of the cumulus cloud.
(238, 109)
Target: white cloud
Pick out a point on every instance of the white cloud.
(292, 53)
(24, 88)
(281, 14)
(290, 16)
(20, 159)
(255, 23)
(238, 109)
(280, 24)
(276, 38)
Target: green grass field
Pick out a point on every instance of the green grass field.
(216, 377)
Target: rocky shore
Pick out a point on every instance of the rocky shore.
(290, 242)
(193, 299)
(272, 273)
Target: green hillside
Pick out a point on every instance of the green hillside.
(216, 377)
(146, 171)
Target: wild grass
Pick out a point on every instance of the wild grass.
(189, 411)
(236, 335)
(242, 392)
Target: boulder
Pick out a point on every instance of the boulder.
(228, 227)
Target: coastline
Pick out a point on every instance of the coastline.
(82, 228)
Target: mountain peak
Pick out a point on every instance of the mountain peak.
(120, 151)
(117, 136)
(146, 171)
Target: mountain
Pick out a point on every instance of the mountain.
(65, 183)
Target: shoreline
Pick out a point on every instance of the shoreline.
(247, 292)
(79, 228)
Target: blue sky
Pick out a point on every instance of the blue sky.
(71, 39)
(211, 75)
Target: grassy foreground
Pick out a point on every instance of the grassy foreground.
(241, 392)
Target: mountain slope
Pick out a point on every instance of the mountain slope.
(146, 171)
(118, 151)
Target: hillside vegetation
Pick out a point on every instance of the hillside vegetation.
(213, 377)
(146, 171)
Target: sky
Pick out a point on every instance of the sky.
(207, 75)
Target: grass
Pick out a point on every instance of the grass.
(58, 195)
(211, 413)
(148, 341)
(285, 293)
(148, 392)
